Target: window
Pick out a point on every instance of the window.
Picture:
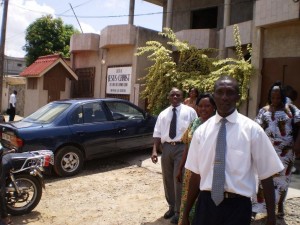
(205, 18)
(123, 111)
(48, 113)
(19, 65)
(32, 83)
(88, 113)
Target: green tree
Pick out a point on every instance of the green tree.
(192, 68)
(47, 36)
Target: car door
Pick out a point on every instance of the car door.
(132, 126)
(92, 129)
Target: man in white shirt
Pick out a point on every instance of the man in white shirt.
(12, 106)
(248, 153)
(169, 128)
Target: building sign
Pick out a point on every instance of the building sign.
(118, 80)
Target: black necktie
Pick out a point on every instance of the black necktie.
(172, 131)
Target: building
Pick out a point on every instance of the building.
(13, 66)
(49, 78)
(271, 26)
(106, 64)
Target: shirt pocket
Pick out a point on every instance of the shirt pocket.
(237, 160)
(183, 124)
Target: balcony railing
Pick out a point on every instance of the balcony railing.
(245, 29)
(268, 12)
(200, 38)
(118, 35)
(84, 42)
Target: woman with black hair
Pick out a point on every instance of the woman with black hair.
(205, 108)
(276, 119)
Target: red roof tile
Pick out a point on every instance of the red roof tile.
(41, 64)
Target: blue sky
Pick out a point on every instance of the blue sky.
(93, 15)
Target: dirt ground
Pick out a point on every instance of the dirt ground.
(114, 191)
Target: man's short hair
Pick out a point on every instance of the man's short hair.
(233, 80)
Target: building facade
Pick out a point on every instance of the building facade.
(106, 64)
(13, 65)
(271, 26)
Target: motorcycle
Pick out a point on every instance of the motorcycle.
(24, 182)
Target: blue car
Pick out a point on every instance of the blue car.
(77, 130)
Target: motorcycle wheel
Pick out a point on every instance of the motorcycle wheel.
(31, 193)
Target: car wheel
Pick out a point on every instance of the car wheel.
(68, 161)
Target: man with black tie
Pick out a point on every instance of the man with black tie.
(170, 126)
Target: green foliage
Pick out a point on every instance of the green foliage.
(47, 36)
(193, 68)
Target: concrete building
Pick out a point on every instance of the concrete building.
(271, 26)
(106, 64)
(13, 66)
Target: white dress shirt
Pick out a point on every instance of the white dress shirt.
(13, 100)
(249, 154)
(185, 115)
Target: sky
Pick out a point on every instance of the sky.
(93, 16)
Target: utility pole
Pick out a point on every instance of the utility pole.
(2, 48)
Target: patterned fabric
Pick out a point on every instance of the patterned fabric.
(186, 138)
(217, 189)
(278, 127)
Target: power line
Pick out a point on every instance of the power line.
(76, 18)
(84, 3)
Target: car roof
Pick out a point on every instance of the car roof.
(82, 100)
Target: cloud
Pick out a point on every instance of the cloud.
(115, 4)
(87, 28)
(20, 15)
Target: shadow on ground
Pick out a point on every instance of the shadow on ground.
(102, 165)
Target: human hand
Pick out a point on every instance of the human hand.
(154, 158)
(179, 175)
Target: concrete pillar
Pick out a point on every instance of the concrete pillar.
(131, 12)
(226, 22)
(169, 14)
(257, 62)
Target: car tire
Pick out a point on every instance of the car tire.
(68, 161)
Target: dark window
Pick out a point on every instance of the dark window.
(84, 87)
(205, 18)
(123, 111)
(19, 65)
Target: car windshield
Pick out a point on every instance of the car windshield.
(47, 113)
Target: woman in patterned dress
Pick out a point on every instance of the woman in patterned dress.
(205, 109)
(276, 119)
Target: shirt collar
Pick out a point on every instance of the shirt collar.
(232, 118)
(177, 107)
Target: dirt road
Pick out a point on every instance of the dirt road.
(113, 191)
